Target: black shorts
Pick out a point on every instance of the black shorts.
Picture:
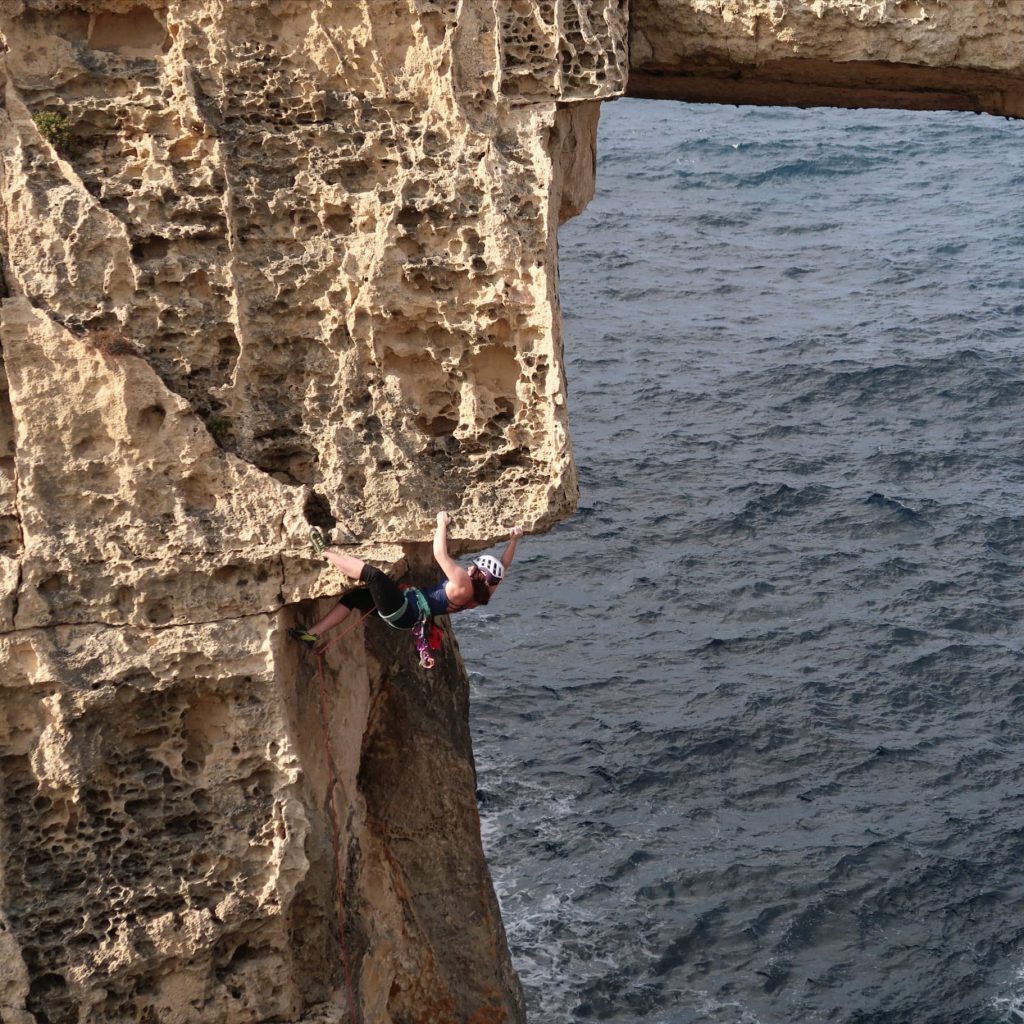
(382, 593)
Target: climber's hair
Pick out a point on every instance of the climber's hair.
(481, 591)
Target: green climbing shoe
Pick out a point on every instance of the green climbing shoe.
(304, 637)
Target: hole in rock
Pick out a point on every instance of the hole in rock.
(439, 426)
(135, 33)
(774, 315)
(317, 511)
(150, 249)
(151, 419)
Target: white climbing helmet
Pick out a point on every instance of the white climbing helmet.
(491, 566)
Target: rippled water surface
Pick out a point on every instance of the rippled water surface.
(749, 726)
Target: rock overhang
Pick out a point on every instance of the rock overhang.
(328, 228)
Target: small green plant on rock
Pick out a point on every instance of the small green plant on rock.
(110, 343)
(219, 428)
(56, 129)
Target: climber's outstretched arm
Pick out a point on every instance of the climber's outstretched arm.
(459, 587)
(510, 550)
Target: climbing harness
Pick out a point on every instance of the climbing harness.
(392, 617)
(426, 635)
(332, 782)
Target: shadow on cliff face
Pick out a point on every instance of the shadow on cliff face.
(418, 780)
(336, 716)
(421, 925)
(418, 921)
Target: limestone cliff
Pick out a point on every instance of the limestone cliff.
(266, 264)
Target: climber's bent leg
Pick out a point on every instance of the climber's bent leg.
(348, 564)
(335, 617)
(386, 594)
(380, 592)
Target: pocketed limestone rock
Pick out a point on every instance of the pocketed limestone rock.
(267, 266)
(130, 511)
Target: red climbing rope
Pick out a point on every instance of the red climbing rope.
(339, 867)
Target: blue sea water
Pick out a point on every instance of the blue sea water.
(749, 726)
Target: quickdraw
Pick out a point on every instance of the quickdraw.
(426, 634)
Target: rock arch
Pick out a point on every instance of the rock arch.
(906, 54)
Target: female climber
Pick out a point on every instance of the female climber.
(406, 609)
